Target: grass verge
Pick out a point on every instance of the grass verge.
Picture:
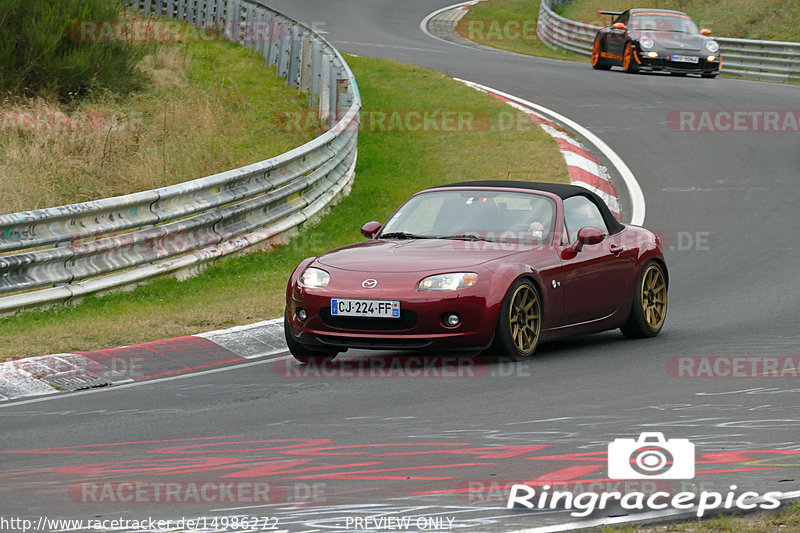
(396, 157)
(508, 25)
(786, 519)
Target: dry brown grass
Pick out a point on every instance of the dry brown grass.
(175, 131)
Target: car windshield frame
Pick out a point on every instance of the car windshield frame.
(541, 208)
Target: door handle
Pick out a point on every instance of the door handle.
(616, 250)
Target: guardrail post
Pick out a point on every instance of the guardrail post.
(325, 88)
(233, 19)
(247, 26)
(190, 14)
(200, 13)
(295, 58)
(266, 46)
(316, 72)
(284, 53)
(216, 13)
(276, 34)
(343, 94)
(332, 97)
(306, 50)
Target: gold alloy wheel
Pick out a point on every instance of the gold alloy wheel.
(654, 297)
(525, 319)
(595, 52)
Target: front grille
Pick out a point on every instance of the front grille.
(407, 320)
(376, 344)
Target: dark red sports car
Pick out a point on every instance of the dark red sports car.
(487, 265)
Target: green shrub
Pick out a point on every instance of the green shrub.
(40, 57)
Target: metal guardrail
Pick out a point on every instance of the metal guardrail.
(558, 32)
(768, 60)
(56, 254)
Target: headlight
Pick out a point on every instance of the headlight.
(448, 282)
(646, 43)
(712, 46)
(315, 278)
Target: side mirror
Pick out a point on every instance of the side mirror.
(619, 26)
(589, 235)
(586, 235)
(705, 31)
(370, 229)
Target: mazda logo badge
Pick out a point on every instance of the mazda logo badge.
(369, 283)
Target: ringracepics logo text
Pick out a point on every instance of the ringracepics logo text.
(588, 502)
(650, 456)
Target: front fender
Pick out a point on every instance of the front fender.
(506, 276)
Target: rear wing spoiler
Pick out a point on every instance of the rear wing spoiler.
(614, 14)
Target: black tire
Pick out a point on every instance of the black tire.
(649, 307)
(303, 353)
(517, 335)
(598, 63)
(628, 62)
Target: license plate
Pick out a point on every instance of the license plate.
(685, 59)
(365, 308)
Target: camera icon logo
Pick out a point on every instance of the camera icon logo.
(651, 457)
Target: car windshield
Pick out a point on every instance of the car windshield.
(663, 23)
(474, 215)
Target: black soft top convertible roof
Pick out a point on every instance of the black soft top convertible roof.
(560, 190)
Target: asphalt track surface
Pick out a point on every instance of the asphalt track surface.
(333, 447)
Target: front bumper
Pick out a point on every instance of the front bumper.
(420, 325)
(664, 63)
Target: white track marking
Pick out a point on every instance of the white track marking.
(634, 190)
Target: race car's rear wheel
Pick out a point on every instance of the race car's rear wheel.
(649, 308)
(520, 322)
(628, 62)
(301, 352)
(597, 59)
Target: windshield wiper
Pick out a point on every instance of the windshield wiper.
(465, 237)
(403, 235)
